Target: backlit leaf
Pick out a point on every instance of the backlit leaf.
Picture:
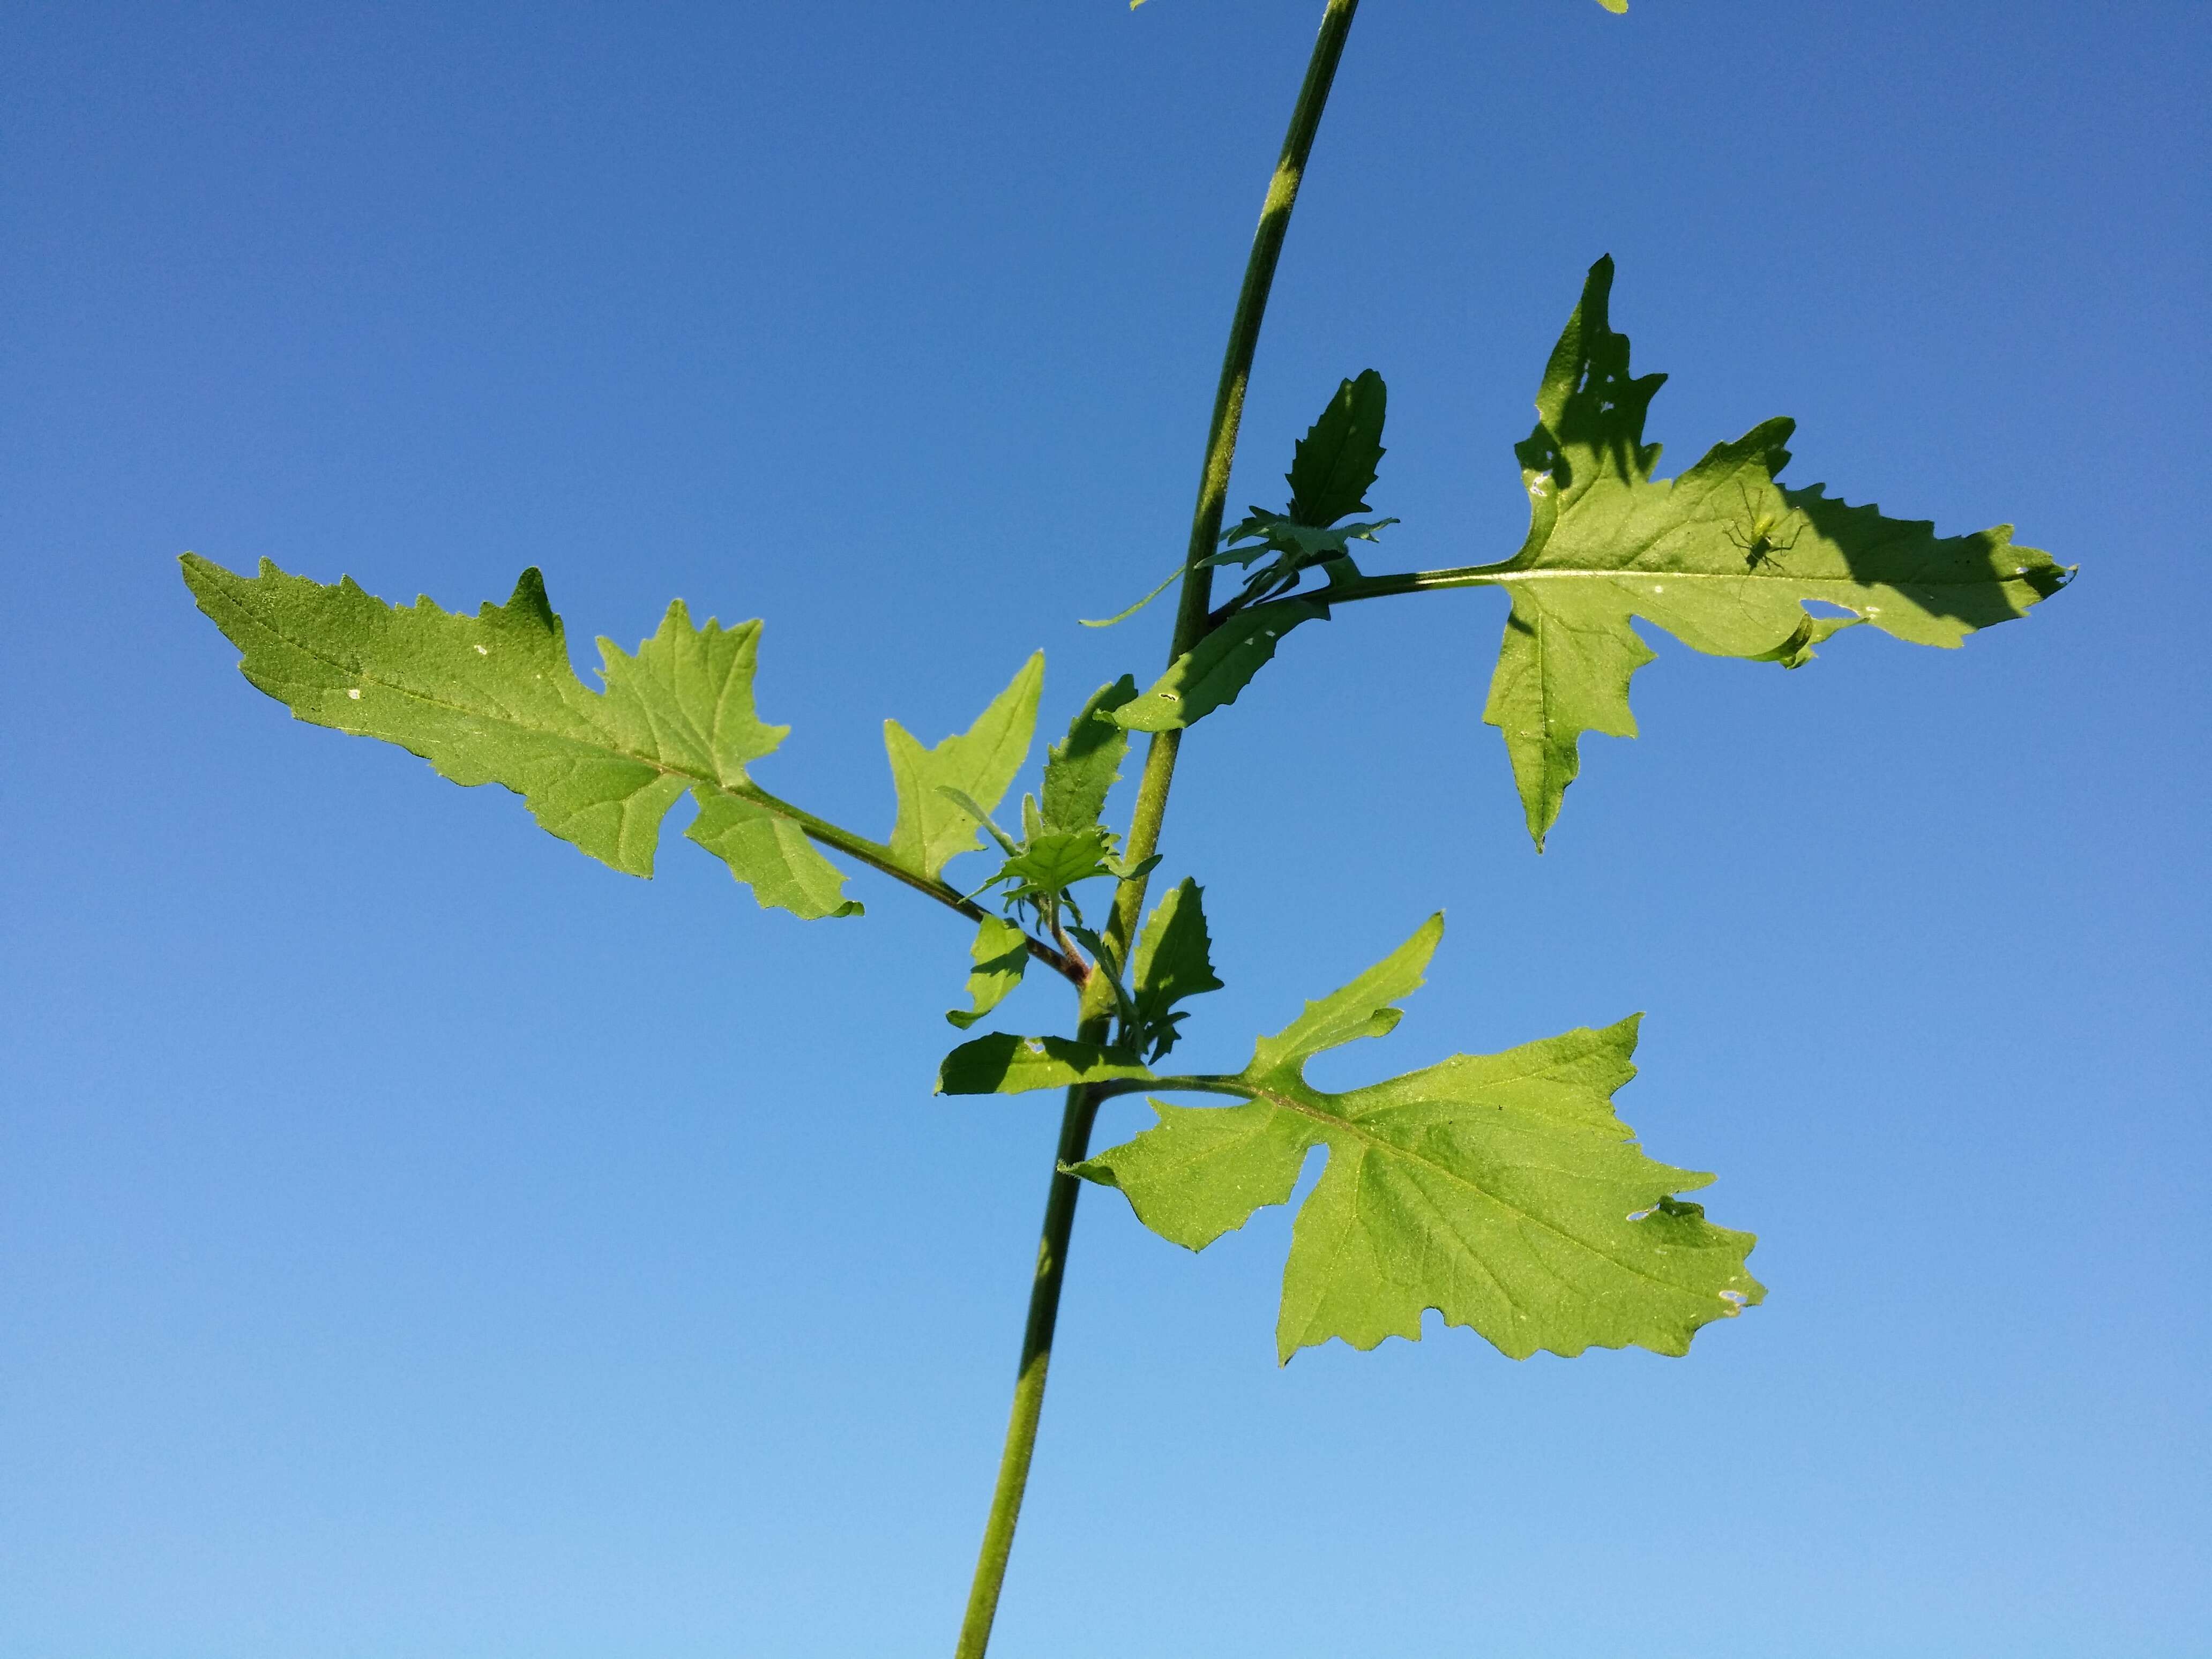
(1499, 1189)
(772, 854)
(1002, 1064)
(1174, 960)
(979, 763)
(492, 699)
(1219, 666)
(1082, 768)
(1723, 558)
(1334, 464)
(1001, 953)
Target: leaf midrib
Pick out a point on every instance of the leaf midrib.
(1291, 1103)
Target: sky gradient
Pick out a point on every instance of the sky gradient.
(418, 1240)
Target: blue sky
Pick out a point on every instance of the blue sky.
(416, 1239)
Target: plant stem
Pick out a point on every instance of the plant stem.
(1030, 1380)
(1191, 619)
(1082, 1106)
(877, 856)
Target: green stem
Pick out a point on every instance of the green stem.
(1029, 1381)
(877, 856)
(1416, 581)
(1082, 1107)
(1158, 775)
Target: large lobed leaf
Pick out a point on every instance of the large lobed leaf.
(1725, 558)
(492, 698)
(1499, 1189)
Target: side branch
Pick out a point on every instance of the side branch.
(877, 856)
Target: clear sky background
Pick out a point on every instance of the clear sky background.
(418, 1240)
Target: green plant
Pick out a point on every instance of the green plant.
(1500, 1189)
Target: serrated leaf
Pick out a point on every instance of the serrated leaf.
(1499, 1189)
(1082, 768)
(1003, 1064)
(1174, 960)
(492, 699)
(1001, 953)
(979, 763)
(1219, 666)
(771, 855)
(1262, 532)
(1053, 862)
(1724, 557)
(1333, 466)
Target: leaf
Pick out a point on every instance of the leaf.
(1174, 960)
(1127, 611)
(1000, 952)
(1219, 666)
(1003, 1064)
(1723, 558)
(979, 763)
(1333, 466)
(1082, 768)
(1055, 861)
(1499, 1189)
(1262, 532)
(492, 699)
(772, 854)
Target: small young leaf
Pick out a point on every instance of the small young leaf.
(1498, 1190)
(1002, 1064)
(1001, 953)
(771, 855)
(1334, 464)
(1219, 666)
(1174, 960)
(1261, 533)
(1055, 861)
(1723, 558)
(1127, 611)
(1081, 769)
(979, 763)
(492, 699)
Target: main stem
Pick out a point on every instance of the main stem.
(1143, 837)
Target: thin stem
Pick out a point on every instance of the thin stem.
(1082, 1107)
(1191, 618)
(1414, 581)
(877, 856)
(1029, 1381)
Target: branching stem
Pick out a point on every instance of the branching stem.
(877, 856)
(1150, 809)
